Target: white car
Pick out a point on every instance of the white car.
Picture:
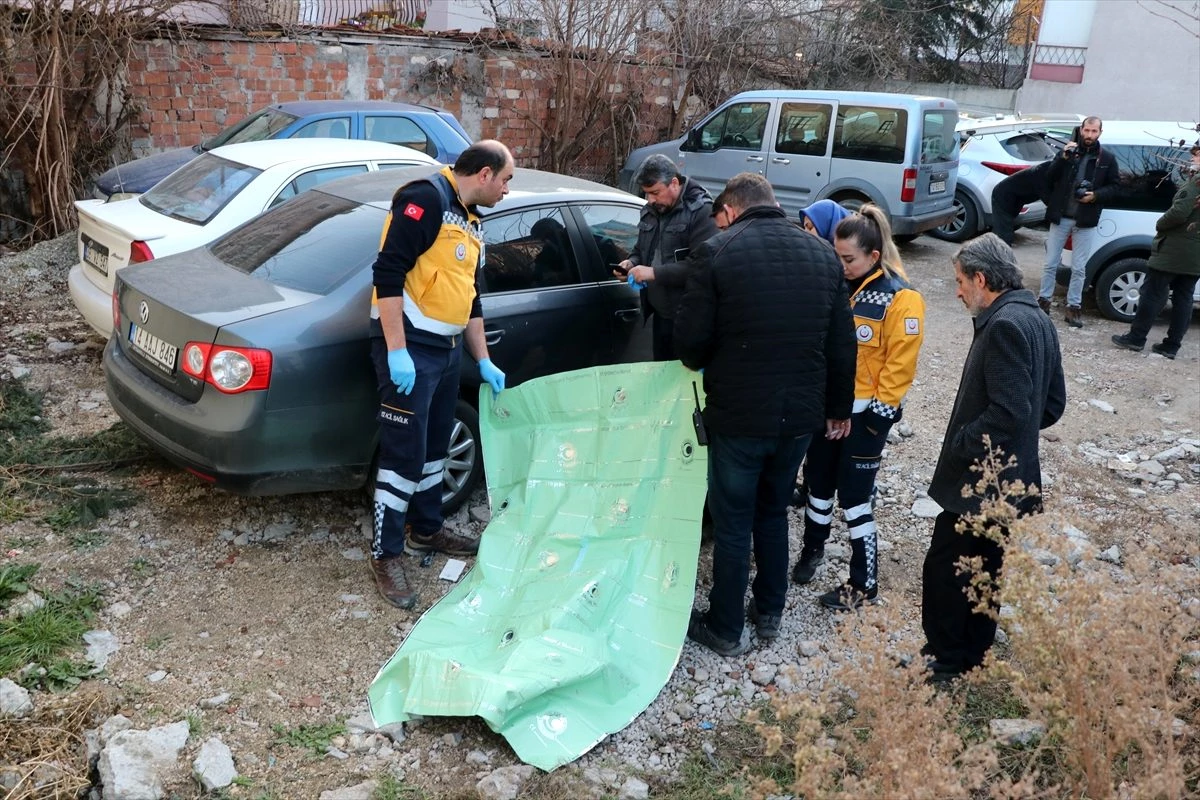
(205, 198)
(991, 150)
(1151, 158)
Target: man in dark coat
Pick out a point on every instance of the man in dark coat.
(1012, 386)
(677, 217)
(1174, 266)
(1010, 195)
(1082, 178)
(767, 317)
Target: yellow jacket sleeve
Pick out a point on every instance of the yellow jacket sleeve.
(903, 332)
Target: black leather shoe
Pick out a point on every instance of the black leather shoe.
(1126, 343)
(1164, 350)
(806, 567)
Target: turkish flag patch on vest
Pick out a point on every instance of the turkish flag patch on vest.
(414, 211)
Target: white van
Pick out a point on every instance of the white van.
(897, 151)
(1149, 157)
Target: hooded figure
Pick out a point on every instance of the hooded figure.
(824, 215)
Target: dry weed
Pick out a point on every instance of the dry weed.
(1103, 655)
(44, 756)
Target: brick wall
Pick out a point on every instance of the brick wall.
(191, 89)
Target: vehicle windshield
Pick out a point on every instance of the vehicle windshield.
(939, 141)
(198, 191)
(258, 126)
(311, 243)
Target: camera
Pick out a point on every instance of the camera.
(1083, 188)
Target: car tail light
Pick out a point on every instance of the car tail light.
(1004, 169)
(909, 192)
(139, 252)
(116, 311)
(229, 369)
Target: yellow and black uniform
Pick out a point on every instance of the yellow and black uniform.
(430, 253)
(889, 323)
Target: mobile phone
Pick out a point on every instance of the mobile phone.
(619, 268)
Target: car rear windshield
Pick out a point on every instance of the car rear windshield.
(1028, 147)
(311, 243)
(939, 141)
(197, 191)
(258, 126)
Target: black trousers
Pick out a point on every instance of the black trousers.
(663, 338)
(1152, 299)
(955, 633)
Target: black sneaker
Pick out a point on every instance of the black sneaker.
(806, 567)
(1164, 350)
(1125, 342)
(700, 633)
(766, 625)
(848, 598)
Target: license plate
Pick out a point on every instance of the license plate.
(161, 353)
(937, 186)
(95, 254)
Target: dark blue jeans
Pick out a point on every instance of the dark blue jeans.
(1153, 297)
(750, 482)
(414, 435)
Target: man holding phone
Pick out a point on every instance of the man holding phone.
(676, 219)
(1081, 179)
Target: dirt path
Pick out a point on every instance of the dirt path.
(268, 598)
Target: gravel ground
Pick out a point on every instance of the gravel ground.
(269, 600)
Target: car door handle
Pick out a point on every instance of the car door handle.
(781, 160)
(492, 337)
(627, 313)
(756, 159)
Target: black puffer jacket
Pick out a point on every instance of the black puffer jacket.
(767, 316)
(668, 242)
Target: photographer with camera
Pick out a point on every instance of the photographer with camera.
(1081, 179)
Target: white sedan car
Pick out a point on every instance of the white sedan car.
(204, 199)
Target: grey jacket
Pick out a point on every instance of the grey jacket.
(668, 242)
(1012, 386)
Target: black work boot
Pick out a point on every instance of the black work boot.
(806, 567)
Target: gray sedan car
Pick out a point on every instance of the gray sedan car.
(247, 361)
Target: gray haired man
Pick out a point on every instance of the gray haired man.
(1011, 387)
(676, 219)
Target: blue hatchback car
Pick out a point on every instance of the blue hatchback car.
(424, 128)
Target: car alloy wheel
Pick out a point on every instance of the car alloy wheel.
(963, 225)
(464, 459)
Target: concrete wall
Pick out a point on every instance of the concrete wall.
(1139, 67)
(968, 98)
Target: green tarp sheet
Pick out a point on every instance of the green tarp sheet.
(573, 617)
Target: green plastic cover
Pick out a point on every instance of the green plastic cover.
(573, 618)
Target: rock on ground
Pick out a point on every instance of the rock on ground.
(504, 783)
(133, 762)
(213, 766)
(14, 699)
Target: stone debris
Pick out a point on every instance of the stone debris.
(481, 514)
(359, 791)
(14, 699)
(216, 701)
(213, 765)
(1102, 406)
(100, 645)
(926, 508)
(133, 763)
(634, 789)
(504, 783)
(1112, 555)
(1017, 731)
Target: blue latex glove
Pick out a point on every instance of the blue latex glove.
(636, 284)
(402, 370)
(492, 374)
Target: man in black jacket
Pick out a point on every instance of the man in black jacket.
(1011, 387)
(1081, 179)
(677, 217)
(766, 315)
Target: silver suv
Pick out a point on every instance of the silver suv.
(991, 150)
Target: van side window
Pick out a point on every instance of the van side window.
(870, 133)
(804, 129)
(739, 127)
(1147, 176)
(939, 142)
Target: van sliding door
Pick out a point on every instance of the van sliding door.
(798, 161)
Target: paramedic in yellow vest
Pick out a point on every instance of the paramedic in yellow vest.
(889, 323)
(425, 307)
